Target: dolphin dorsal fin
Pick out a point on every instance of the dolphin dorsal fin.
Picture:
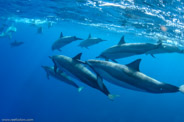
(78, 56)
(122, 41)
(135, 64)
(61, 35)
(89, 36)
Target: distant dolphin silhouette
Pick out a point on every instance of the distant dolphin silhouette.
(123, 50)
(76, 69)
(129, 76)
(90, 41)
(16, 44)
(62, 41)
(60, 76)
(40, 30)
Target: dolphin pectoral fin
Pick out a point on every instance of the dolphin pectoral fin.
(122, 40)
(55, 66)
(114, 60)
(100, 81)
(112, 97)
(152, 55)
(78, 56)
(135, 64)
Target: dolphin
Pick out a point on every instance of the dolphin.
(122, 50)
(90, 41)
(165, 48)
(76, 69)
(60, 76)
(16, 44)
(129, 76)
(62, 41)
(40, 30)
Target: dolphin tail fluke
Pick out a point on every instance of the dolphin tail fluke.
(181, 88)
(112, 97)
(80, 89)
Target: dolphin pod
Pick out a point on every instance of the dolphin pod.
(90, 41)
(60, 76)
(76, 69)
(62, 41)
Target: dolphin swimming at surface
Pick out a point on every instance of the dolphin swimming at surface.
(90, 41)
(60, 76)
(74, 68)
(122, 50)
(129, 76)
(16, 44)
(62, 41)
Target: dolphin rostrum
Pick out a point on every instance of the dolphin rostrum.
(60, 76)
(16, 44)
(90, 41)
(129, 76)
(123, 50)
(63, 40)
(76, 69)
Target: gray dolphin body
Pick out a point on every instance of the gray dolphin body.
(129, 76)
(76, 69)
(60, 76)
(123, 50)
(62, 41)
(90, 41)
(16, 44)
(165, 48)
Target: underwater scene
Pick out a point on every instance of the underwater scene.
(92, 60)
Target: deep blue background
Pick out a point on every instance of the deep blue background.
(25, 92)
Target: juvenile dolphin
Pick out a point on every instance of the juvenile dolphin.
(76, 69)
(123, 50)
(16, 44)
(129, 76)
(90, 41)
(61, 76)
(165, 48)
(62, 41)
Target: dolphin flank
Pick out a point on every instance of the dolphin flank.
(123, 50)
(60, 76)
(129, 76)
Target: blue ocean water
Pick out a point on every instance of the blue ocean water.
(25, 91)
